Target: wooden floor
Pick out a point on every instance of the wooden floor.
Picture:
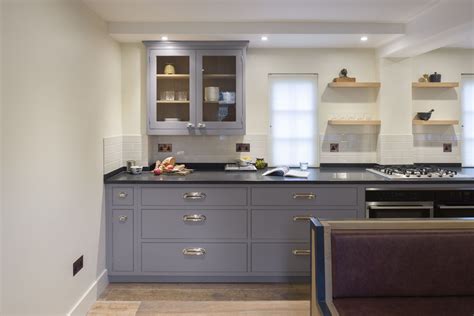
(146, 299)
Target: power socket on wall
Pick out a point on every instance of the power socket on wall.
(165, 148)
(77, 265)
(334, 148)
(448, 148)
(242, 147)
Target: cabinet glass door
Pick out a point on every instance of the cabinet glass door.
(220, 92)
(172, 90)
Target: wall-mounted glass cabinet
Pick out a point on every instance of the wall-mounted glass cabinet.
(196, 88)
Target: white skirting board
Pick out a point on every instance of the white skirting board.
(90, 296)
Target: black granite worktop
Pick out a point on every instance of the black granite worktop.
(326, 175)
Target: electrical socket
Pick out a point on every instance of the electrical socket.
(242, 147)
(448, 148)
(165, 148)
(77, 265)
(334, 147)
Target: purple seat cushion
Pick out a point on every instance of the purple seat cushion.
(405, 306)
(385, 263)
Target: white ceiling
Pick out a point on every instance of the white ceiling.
(385, 11)
(275, 40)
(397, 28)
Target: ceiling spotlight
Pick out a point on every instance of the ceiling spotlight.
(164, 38)
(364, 38)
(264, 38)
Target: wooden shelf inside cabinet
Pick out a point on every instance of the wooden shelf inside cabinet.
(172, 102)
(218, 76)
(435, 84)
(355, 122)
(436, 122)
(354, 85)
(176, 76)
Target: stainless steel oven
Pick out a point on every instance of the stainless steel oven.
(399, 209)
(419, 203)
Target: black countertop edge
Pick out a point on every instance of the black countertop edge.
(119, 170)
(113, 173)
(291, 183)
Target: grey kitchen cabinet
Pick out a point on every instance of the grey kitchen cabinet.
(217, 232)
(178, 103)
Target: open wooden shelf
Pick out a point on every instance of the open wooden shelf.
(172, 102)
(435, 122)
(435, 84)
(176, 76)
(218, 76)
(355, 122)
(354, 84)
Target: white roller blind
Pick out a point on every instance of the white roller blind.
(293, 119)
(467, 102)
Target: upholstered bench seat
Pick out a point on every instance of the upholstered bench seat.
(405, 306)
(392, 267)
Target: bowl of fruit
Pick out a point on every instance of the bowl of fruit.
(168, 166)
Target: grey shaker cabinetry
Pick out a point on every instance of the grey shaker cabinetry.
(234, 233)
(197, 65)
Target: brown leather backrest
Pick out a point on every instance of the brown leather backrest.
(370, 263)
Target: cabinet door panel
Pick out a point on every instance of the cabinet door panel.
(122, 240)
(219, 90)
(172, 90)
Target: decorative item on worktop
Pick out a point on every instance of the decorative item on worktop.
(169, 69)
(343, 77)
(260, 163)
(436, 77)
(169, 167)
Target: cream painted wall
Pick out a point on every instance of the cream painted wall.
(394, 103)
(62, 94)
(326, 63)
(133, 89)
(1, 166)
(450, 63)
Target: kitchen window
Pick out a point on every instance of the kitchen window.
(467, 103)
(293, 119)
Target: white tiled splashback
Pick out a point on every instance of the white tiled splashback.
(119, 149)
(366, 146)
(207, 148)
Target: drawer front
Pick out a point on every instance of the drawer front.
(304, 196)
(194, 224)
(294, 224)
(194, 196)
(194, 257)
(280, 257)
(122, 196)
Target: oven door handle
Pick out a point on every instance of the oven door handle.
(401, 207)
(455, 207)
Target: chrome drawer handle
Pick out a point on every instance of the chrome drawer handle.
(304, 196)
(194, 251)
(194, 218)
(301, 218)
(122, 195)
(123, 219)
(301, 252)
(194, 196)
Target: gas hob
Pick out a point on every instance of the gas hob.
(413, 172)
